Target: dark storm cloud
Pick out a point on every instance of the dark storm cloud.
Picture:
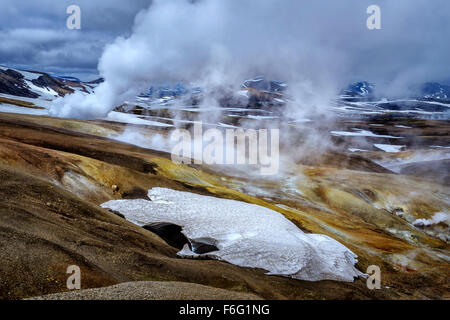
(33, 34)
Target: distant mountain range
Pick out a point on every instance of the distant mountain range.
(430, 99)
(425, 91)
(434, 90)
(264, 89)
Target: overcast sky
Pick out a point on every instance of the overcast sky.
(33, 33)
(413, 42)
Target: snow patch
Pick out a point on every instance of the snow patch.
(42, 91)
(245, 234)
(389, 147)
(360, 133)
(356, 150)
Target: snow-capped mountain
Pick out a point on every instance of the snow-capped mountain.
(430, 100)
(424, 91)
(262, 84)
(35, 84)
(256, 92)
(360, 89)
(435, 91)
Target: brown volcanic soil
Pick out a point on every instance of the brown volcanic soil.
(44, 229)
(52, 180)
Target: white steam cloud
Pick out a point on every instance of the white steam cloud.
(313, 45)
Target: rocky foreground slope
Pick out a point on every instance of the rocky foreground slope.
(54, 173)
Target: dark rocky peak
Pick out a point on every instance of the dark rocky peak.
(14, 74)
(12, 82)
(47, 81)
(96, 81)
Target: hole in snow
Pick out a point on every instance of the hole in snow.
(170, 233)
(201, 246)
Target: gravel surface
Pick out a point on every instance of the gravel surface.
(151, 290)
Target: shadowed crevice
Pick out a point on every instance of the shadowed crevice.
(172, 235)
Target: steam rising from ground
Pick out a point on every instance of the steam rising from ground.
(215, 44)
(316, 46)
(437, 218)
